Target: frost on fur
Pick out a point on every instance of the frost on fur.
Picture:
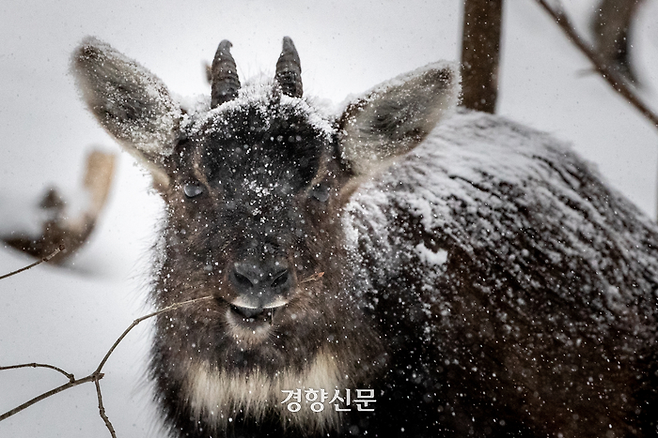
(130, 102)
(397, 115)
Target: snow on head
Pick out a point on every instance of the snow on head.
(263, 95)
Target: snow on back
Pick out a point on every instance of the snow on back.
(430, 257)
(530, 218)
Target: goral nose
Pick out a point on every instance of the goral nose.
(260, 284)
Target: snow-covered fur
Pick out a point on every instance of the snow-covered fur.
(517, 291)
(479, 278)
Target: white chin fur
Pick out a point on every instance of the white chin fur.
(216, 396)
(250, 333)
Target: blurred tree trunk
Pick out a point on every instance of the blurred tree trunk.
(611, 27)
(480, 53)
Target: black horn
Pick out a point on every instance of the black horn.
(224, 79)
(289, 70)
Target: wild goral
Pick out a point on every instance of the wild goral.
(458, 273)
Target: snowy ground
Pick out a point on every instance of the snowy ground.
(69, 317)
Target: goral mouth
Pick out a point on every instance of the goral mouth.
(252, 317)
(253, 321)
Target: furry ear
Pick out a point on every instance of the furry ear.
(396, 116)
(130, 102)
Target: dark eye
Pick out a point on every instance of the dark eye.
(192, 189)
(320, 192)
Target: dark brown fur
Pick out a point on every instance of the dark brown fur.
(487, 284)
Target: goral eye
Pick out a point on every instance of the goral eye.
(320, 192)
(192, 189)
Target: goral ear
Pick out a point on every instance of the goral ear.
(396, 116)
(130, 102)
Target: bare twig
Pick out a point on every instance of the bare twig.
(101, 410)
(47, 394)
(316, 276)
(608, 73)
(97, 375)
(140, 319)
(38, 262)
(611, 25)
(40, 365)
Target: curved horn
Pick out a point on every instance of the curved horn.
(289, 70)
(224, 80)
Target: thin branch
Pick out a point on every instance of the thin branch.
(40, 365)
(38, 262)
(47, 394)
(101, 410)
(609, 74)
(140, 319)
(314, 277)
(97, 374)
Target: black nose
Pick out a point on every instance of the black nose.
(261, 284)
(248, 275)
